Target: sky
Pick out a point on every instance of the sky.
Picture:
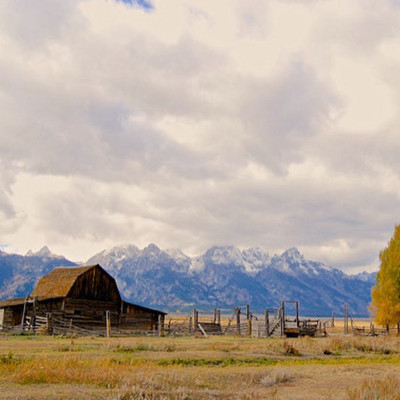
(258, 123)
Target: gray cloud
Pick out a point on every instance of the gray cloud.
(280, 116)
(208, 126)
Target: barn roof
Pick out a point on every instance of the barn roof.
(59, 282)
(145, 308)
(12, 302)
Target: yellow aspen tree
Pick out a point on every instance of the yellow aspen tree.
(385, 304)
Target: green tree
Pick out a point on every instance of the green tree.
(385, 304)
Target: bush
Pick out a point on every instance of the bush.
(290, 350)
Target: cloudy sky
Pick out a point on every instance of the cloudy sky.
(269, 123)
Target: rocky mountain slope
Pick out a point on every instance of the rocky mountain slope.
(221, 277)
(19, 274)
(227, 276)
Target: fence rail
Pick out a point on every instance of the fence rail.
(239, 321)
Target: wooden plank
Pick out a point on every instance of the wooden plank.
(202, 330)
(108, 324)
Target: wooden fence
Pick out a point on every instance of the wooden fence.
(238, 321)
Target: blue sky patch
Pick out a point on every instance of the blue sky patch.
(140, 3)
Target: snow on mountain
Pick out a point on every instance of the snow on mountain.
(365, 277)
(224, 255)
(255, 259)
(224, 276)
(19, 274)
(44, 252)
(180, 257)
(197, 264)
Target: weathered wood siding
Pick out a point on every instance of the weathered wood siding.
(79, 297)
(91, 312)
(138, 318)
(49, 305)
(12, 316)
(95, 284)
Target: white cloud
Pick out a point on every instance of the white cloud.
(264, 123)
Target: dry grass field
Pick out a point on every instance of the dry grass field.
(336, 367)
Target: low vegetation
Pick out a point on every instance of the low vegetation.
(336, 367)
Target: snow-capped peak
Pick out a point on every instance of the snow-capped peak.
(119, 253)
(43, 252)
(224, 255)
(293, 254)
(176, 254)
(254, 259)
(152, 249)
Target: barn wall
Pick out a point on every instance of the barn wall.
(50, 305)
(138, 318)
(12, 316)
(90, 312)
(95, 284)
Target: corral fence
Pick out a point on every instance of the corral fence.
(238, 321)
(357, 328)
(241, 321)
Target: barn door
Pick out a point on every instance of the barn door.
(1, 317)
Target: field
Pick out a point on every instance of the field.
(336, 367)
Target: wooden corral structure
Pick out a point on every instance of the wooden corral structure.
(296, 327)
(240, 321)
(82, 297)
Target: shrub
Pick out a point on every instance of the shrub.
(387, 388)
(275, 377)
(8, 359)
(290, 350)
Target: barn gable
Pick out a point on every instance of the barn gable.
(80, 298)
(89, 282)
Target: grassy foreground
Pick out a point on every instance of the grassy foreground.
(336, 367)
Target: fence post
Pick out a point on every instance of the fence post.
(219, 316)
(282, 312)
(267, 322)
(346, 318)
(108, 324)
(249, 327)
(49, 323)
(33, 321)
(372, 329)
(248, 311)
(333, 320)
(195, 320)
(160, 325)
(237, 311)
(23, 321)
(190, 324)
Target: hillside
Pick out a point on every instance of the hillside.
(221, 277)
(227, 276)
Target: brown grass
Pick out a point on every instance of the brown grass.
(188, 368)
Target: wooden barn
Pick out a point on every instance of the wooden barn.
(81, 298)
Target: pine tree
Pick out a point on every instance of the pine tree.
(386, 293)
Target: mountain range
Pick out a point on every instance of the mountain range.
(224, 276)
